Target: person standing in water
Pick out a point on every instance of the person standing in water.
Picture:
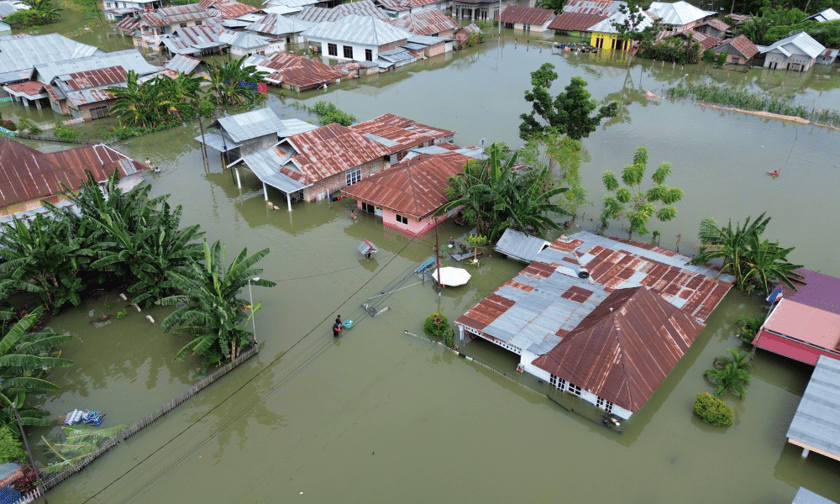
(337, 327)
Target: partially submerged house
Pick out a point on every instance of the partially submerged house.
(601, 318)
(606, 36)
(713, 27)
(316, 14)
(295, 73)
(29, 176)
(277, 27)
(804, 324)
(401, 8)
(824, 15)
(739, 50)
(354, 37)
(816, 424)
(679, 16)
(408, 194)
(797, 53)
(84, 94)
(28, 93)
(526, 19)
(399, 134)
(579, 15)
(312, 165)
(115, 10)
(478, 10)
(148, 29)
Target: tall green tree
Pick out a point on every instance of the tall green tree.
(630, 202)
(569, 113)
(757, 264)
(635, 25)
(210, 311)
(562, 156)
(25, 359)
(225, 79)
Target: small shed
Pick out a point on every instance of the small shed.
(367, 248)
(520, 246)
(816, 424)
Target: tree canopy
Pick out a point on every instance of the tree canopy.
(569, 113)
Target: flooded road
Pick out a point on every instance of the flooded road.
(381, 416)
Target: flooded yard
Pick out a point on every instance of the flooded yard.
(381, 416)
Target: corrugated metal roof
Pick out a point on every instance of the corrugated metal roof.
(231, 9)
(217, 141)
(740, 45)
(250, 125)
(243, 39)
(815, 289)
(175, 14)
(805, 323)
(606, 25)
(413, 187)
(826, 15)
(600, 7)
(27, 174)
(88, 97)
(362, 30)
(816, 424)
(519, 245)
(30, 88)
(799, 43)
(7, 9)
(624, 348)
(182, 63)
(706, 41)
(92, 78)
(805, 496)
(276, 25)
(678, 13)
(402, 133)
(298, 70)
(265, 165)
(360, 8)
(526, 15)
(192, 39)
(575, 21)
(715, 23)
(129, 59)
(22, 54)
(326, 151)
(426, 22)
(405, 5)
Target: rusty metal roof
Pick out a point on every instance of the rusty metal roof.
(600, 7)
(30, 88)
(275, 24)
(303, 72)
(706, 41)
(92, 78)
(361, 8)
(326, 151)
(574, 21)
(540, 304)
(741, 45)
(88, 97)
(175, 14)
(401, 5)
(414, 187)
(526, 15)
(399, 133)
(426, 22)
(624, 348)
(182, 63)
(28, 174)
(714, 23)
(230, 10)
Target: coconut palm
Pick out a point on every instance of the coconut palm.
(229, 82)
(209, 310)
(527, 205)
(25, 359)
(729, 378)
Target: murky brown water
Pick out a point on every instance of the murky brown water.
(379, 416)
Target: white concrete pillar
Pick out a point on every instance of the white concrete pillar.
(265, 192)
(805, 452)
(238, 180)
(289, 201)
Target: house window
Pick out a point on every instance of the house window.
(353, 175)
(368, 54)
(183, 25)
(198, 23)
(401, 219)
(367, 207)
(99, 112)
(574, 389)
(332, 49)
(348, 52)
(559, 383)
(604, 404)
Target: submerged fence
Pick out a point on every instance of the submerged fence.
(108, 444)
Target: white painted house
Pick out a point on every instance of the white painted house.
(355, 38)
(797, 52)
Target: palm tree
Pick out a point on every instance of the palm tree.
(526, 203)
(754, 263)
(210, 312)
(229, 82)
(25, 359)
(730, 377)
(131, 104)
(80, 441)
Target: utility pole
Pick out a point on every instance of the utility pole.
(29, 452)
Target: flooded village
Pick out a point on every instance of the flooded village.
(580, 359)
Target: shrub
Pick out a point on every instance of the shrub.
(713, 410)
(11, 448)
(721, 59)
(438, 325)
(328, 113)
(121, 315)
(27, 125)
(9, 125)
(709, 56)
(65, 133)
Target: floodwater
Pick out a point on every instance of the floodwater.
(382, 416)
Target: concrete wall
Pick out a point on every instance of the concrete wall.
(609, 41)
(795, 62)
(318, 191)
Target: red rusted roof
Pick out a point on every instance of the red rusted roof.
(175, 14)
(574, 21)
(362, 8)
(94, 78)
(326, 151)
(706, 41)
(740, 45)
(404, 132)
(128, 23)
(414, 187)
(303, 72)
(590, 6)
(31, 88)
(624, 348)
(715, 23)
(231, 9)
(427, 22)
(401, 5)
(526, 15)
(28, 174)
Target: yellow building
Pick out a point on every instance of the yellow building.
(603, 40)
(605, 35)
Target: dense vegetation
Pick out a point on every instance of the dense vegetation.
(772, 23)
(40, 12)
(713, 410)
(743, 99)
(437, 325)
(328, 113)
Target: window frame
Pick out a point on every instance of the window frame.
(332, 49)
